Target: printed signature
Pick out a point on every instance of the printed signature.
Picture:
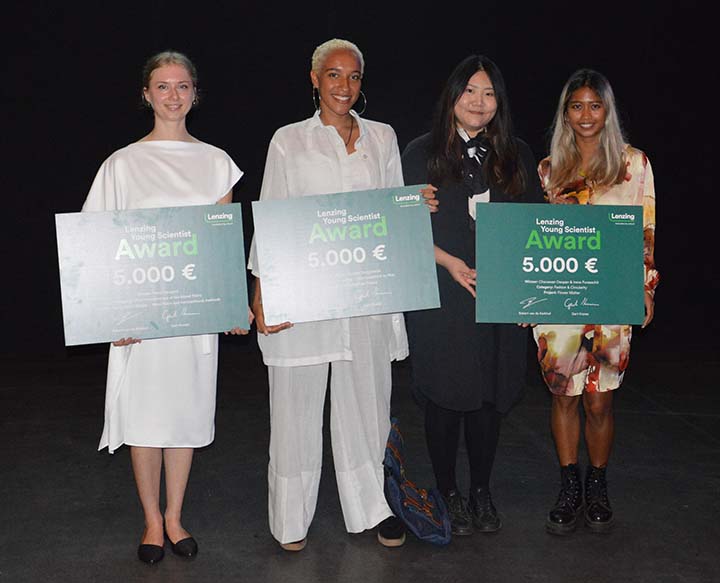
(169, 315)
(572, 304)
(126, 317)
(527, 302)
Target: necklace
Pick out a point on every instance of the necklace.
(352, 126)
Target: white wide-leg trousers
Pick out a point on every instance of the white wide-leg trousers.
(359, 428)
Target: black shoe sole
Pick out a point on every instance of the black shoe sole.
(599, 527)
(560, 529)
(487, 529)
(462, 531)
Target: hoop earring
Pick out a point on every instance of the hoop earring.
(365, 102)
(316, 98)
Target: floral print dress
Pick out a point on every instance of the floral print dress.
(593, 357)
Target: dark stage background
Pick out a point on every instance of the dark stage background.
(71, 87)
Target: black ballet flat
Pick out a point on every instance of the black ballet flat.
(151, 554)
(186, 548)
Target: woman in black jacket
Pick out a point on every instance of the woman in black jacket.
(467, 374)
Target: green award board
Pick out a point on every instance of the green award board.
(349, 254)
(559, 264)
(151, 273)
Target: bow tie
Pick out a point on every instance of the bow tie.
(477, 147)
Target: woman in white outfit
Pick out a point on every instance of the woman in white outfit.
(334, 151)
(160, 397)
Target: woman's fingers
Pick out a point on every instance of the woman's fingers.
(237, 331)
(277, 328)
(126, 341)
(470, 288)
(429, 195)
(467, 280)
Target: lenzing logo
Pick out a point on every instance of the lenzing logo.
(406, 199)
(622, 218)
(219, 218)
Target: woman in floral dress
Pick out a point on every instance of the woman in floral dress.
(590, 163)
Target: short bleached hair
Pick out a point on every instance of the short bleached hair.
(322, 51)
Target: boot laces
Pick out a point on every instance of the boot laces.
(570, 493)
(484, 501)
(597, 489)
(455, 504)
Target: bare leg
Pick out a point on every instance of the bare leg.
(147, 464)
(599, 426)
(565, 423)
(177, 469)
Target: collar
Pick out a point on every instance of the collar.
(463, 134)
(471, 148)
(472, 144)
(316, 122)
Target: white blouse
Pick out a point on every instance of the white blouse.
(309, 158)
(162, 173)
(479, 196)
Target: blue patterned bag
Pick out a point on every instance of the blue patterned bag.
(423, 512)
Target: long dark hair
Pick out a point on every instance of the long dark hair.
(502, 167)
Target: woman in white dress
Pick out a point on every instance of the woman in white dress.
(160, 397)
(334, 151)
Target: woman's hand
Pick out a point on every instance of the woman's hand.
(429, 195)
(257, 309)
(126, 341)
(462, 274)
(457, 269)
(237, 331)
(649, 308)
(241, 331)
(264, 328)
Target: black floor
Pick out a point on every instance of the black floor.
(70, 513)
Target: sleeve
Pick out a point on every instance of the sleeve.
(393, 172)
(414, 164)
(274, 186)
(533, 189)
(105, 193)
(652, 277)
(227, 174)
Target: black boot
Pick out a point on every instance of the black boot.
(460, 521)
(562, 518)
(484, 515)
(598, 513)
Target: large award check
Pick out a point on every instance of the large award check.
(560, 264)
(151, 273)
(349, 254)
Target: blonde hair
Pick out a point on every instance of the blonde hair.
(322, 51)
(167, 58)
(608, 164)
